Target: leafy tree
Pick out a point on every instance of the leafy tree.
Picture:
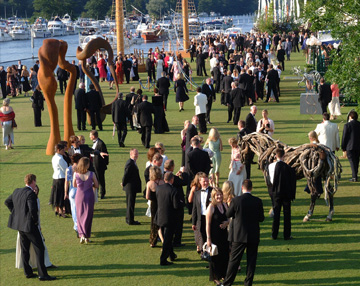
(341, 17)
(154, 8)
(97, 9)
(50, 8)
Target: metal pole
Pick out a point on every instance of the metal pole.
(119, 17)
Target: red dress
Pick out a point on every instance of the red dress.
(102, 70)
(119, 72)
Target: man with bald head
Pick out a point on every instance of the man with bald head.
(80, 106)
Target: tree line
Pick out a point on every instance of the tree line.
(98, 9)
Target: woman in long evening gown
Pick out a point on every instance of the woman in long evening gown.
(216, 232)
(237, 170)
(84, 180)
(214, 143)
(102, 67)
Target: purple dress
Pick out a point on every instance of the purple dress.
(84, 201)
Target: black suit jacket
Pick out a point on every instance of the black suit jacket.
(3, 78)
(61, 74)
(281, 55)
(351, 136)
(119, 111)
(168, 202)
(325, 94)
(226, 83)
(99, 162)
(145, 109)
(237, 97)
(250, 123)
(131, 180)
(242, 133)
(163, 85)
(247, 212)
(22, 204)
(196, 211)
(190, 133)
(80, 99)
(179, 183)
(93, 100)
(273, 77)
(210, 93)
(38, 101)
(284, 185)
(198, 161)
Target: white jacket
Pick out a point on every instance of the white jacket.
(328, 134)
(200, 101)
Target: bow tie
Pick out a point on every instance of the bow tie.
(204, 190)
(76, 148)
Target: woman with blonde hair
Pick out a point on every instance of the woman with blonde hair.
(237, 170)
(214, 143)
(217, 234)
(228, 191)
(84, 180)
(313, 137)
(181, 91)
(156, 179)
(7, 115)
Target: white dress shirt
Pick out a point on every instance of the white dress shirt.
(200, 101)
(204, 196)
(328, 134)
(59, 165)
(94, 146)
(272, 171)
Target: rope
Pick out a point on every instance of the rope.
(144, 87)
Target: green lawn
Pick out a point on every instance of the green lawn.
(322, 253)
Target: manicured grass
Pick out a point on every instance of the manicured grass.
(323, 253)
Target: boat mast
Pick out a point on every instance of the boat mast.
(119, 18)
(185, 15)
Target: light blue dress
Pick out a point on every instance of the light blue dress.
(72, 194)
(214, 146)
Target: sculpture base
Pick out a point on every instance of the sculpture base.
(309, 103)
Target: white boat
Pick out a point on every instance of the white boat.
(20, 32)
(4, 36)
(57, 27)
(39, 29)
(104, 26)
(110, 38)
(233, 31)
(206, 33)
(66, 19)
(70, 25)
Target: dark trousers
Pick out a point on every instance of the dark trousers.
(121, 132)
(35, 238)
(146, 136)
(37, 116)
(260, 90)
(130, 206)
(282, 64)
(273, 88)
(81, 119)
(62, 84)
(100, 175)
(3, 89)
(286, 204)
(202, 68)
(237, 112)
(95, 118)
(167, 248)
(202, 122)
(230, 111)
(179, 225)
(249, 159)
(151, 74)
(237, 251)
(191, 57)
(353, 156)
(203, 228)
(323, 107)
(127, 76)
(165, 98)
(208, 109)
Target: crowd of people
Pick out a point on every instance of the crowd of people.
(226, 219)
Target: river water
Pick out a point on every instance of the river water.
(12, 51)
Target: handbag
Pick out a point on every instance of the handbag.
(205, 256)
(13, 124)
(213, 250)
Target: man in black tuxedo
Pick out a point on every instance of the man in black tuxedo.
(282, 192)
(95, 70)
(150, 67)
(325, 95)
(3, 81)
(247, 212)
(225, 93)
(120, 116)
(94, 104)
(197, 160)
(281, 57)
(129, 97)
(157, 161)
(163, 85)
(260, 81)
(201, 201)
(351, 143)
(168, 203)
(100, 163)
(127, 64)
(80, 106)
(36, 66)
(131, 184)
(77, 74)
(191, 132)
(145, 109)
(217, 77)
(192, 51)
(242, 130)
(22, 204)
(62, 76)
(209, 91)
(181, 179)
(250, 125)
(273, 81)
(238, 101)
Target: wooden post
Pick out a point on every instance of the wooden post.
(185, 18)
(119, 16)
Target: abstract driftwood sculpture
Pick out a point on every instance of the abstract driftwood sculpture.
(89, 50)
(51, 54)
(309, 161)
